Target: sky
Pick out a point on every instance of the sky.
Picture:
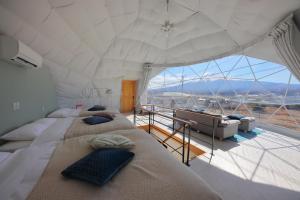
(235, 67)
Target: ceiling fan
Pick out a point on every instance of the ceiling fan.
(167, 26)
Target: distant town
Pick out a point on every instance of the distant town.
(275, 103)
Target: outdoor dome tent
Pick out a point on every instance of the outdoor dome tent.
(97, 43)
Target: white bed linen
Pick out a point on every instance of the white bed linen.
(4, 155)
(56, 132)
(65, 112)
(22, 169)
(29, 131)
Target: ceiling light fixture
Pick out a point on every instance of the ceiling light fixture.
(167, 26)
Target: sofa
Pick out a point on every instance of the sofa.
(205, 123)
(246, 123)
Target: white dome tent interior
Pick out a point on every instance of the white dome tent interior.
(150, 99)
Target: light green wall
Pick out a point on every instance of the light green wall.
(33, 88)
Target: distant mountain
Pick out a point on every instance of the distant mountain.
(227, 87)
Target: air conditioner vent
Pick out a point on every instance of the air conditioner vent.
(21, 60)
(15, 51)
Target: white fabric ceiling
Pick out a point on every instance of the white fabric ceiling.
(96, 43)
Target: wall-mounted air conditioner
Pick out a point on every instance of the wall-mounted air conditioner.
(15, 51)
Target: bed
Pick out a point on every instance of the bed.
(153, 173)
(79, 128)
(70, 112)
(69, 127)
(84, 113)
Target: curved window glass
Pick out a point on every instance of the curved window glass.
(234, 84)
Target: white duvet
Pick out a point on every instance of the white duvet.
(20, 171)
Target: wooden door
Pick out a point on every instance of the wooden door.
(128, 95)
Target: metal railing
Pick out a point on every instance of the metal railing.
(150, 110)
(184, 129)
(213, 127)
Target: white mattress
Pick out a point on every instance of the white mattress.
(55, 132)
(23, 174)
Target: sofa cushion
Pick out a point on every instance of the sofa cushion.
(196, 110)
(248, 119)
(225, 123)
(236, 116)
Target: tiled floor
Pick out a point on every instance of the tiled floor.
(263, 167)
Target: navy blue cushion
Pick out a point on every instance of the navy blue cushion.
(96, 120)
(97, 108)
(106, 115)
(236, 116)
(99, 166)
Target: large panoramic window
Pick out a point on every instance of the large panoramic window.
(234, 84)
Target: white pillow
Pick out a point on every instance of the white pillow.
(110, 141)
(64, 112)
(26, 132)
(14, 145)
(29, 131)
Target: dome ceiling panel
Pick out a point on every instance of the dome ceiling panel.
(219, 11)
(70, 41)
(74, 16)
(121, 23)
(204, 54)
(42, 45)
(95, 9)
(153, 16)
(27, 34)
(202, 43)
(177, 13)
(94, 42)
(100, 24)
(189, 4)
(187, 31)
(91, 67)
(105, 32)
(83, 36)
(76, 19)
(54, 22)
(196, 21)
(9, 23)
(60, 3)
(60, 56)
(145, 35)
(59, 73)
(154, 6)
(117, 8)
(32, 11)
(220, 38)
(82, 60)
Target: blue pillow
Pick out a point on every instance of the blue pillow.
(99, 166)
(97, 108)
(236, 116)
(96, 120)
